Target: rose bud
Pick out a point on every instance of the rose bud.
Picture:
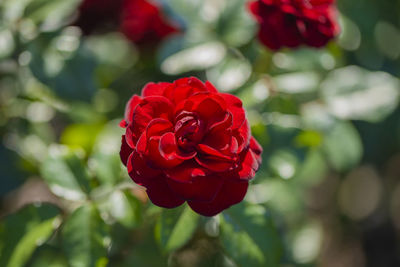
(140, 21)
(185, 141)
(292, 23)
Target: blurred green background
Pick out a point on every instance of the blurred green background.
(327, 194)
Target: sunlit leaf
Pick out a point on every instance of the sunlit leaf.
(357, 94)
(231, 73)
(65, 174)
(198, 57)
(122, 207)
(51, 13)
(298, 82)
(176, 227)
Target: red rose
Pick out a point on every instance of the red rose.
(292, 23)
(185, 141)
(140, 20)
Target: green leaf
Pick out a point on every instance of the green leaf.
(231, 73)
(249, 236)
(343, 146)
(85, 238)
(235, 25)
(122, 207)
(176, 227)
(21, 233)
(65, 174)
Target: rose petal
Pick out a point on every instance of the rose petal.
(201, 188)
(130, 108)
(158, 127)
(161, 195)
(186, 171)
(154, 89)
(249, 165)
(184, 88)
(210, 87)
(170, 151)
(139, 170)
(217, 166)
(161, 155)
(151, 107)
(235, 107)
(210, 152)
(125, 151)
(242, 135)
(256, 148)
(232, 192)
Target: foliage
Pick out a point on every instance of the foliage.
(317, 113)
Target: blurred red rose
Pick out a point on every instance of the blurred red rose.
(293, 23)
(140, 20)
(185, 141)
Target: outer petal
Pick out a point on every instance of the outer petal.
(125, 151)
(154, 89)
(248, 166)
(183, 88)
(129, 108)
(243, 135)
(139, 170)
(256, 148)
(201, 188)
(161, 195)
(232, 192)
(250, 161)
(149, 108)
(210, 87)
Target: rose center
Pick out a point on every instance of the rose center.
(188, 130)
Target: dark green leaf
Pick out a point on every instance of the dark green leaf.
(343, 146)
(250, 237)
(85, 238)
(66, 70)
